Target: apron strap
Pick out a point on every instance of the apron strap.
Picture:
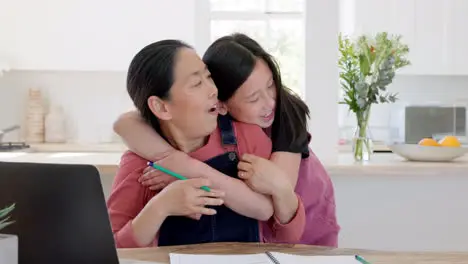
(228, 133)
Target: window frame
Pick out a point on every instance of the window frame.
(252, 15)
(205, 16)
(265, 16)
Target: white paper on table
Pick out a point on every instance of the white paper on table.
(131, 261)
(260, 259)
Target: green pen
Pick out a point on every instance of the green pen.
(173, 174)
(361, 259)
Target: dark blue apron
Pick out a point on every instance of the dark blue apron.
(226, 225)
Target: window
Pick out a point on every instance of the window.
(278, 25)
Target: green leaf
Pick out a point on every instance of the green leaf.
(344, 85)
(4, 223)
(364, 65)
(6, 211)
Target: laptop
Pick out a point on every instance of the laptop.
(60, 214)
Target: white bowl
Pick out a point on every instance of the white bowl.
(415, 152)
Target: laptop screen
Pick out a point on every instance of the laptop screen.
(60, 213)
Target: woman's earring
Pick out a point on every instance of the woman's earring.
(222, 109)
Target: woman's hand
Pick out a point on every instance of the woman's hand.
(261, 174)
(185, 198)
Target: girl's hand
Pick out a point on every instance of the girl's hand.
(261, 175)
(185, 198)
(154, 179)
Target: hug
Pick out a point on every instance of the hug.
(227, 122)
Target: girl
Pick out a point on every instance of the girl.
(251, 90)
(172, 89)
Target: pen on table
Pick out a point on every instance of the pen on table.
(361, 259)
(272, 258)
(173, 174)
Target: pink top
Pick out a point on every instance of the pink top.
(128, 197)
(316, 189)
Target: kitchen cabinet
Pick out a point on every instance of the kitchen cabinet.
(457, 36)
(397, 199)
(86, 35)
(5, 29)
(392, 16)
(430, 34)
(433, 29)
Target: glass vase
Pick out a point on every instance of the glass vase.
(362, 140)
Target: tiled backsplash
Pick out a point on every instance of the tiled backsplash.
(93, 100)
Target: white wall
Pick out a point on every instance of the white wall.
(91, 100)
(77, 52)
(321, 81)
(87, 34)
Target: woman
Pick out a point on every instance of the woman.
(250, 88)
(172, 89)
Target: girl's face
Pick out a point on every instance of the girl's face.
(254, 102)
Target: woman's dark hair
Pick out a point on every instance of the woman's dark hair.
(151, 73)
(231, 59)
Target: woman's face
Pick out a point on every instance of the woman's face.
(192, 103)
(254, 102)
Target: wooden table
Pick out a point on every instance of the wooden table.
(375, 257)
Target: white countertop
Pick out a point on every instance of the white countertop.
(120, 147)
(386, 160)
(75, 147)
(391, 164)
(380, 161)
(93, 158)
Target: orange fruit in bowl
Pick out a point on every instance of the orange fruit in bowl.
(428, 142)
(450, 141)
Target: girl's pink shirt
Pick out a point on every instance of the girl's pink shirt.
(317, 194)
(128, 197)
(316, 190)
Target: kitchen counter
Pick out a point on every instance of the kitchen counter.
(393, 204)
(94, 158)
(384, 162)
(105, 162)
(76, 147)
(389, 163)
(117, 147)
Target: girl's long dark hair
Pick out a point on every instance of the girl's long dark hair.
(231, 60)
